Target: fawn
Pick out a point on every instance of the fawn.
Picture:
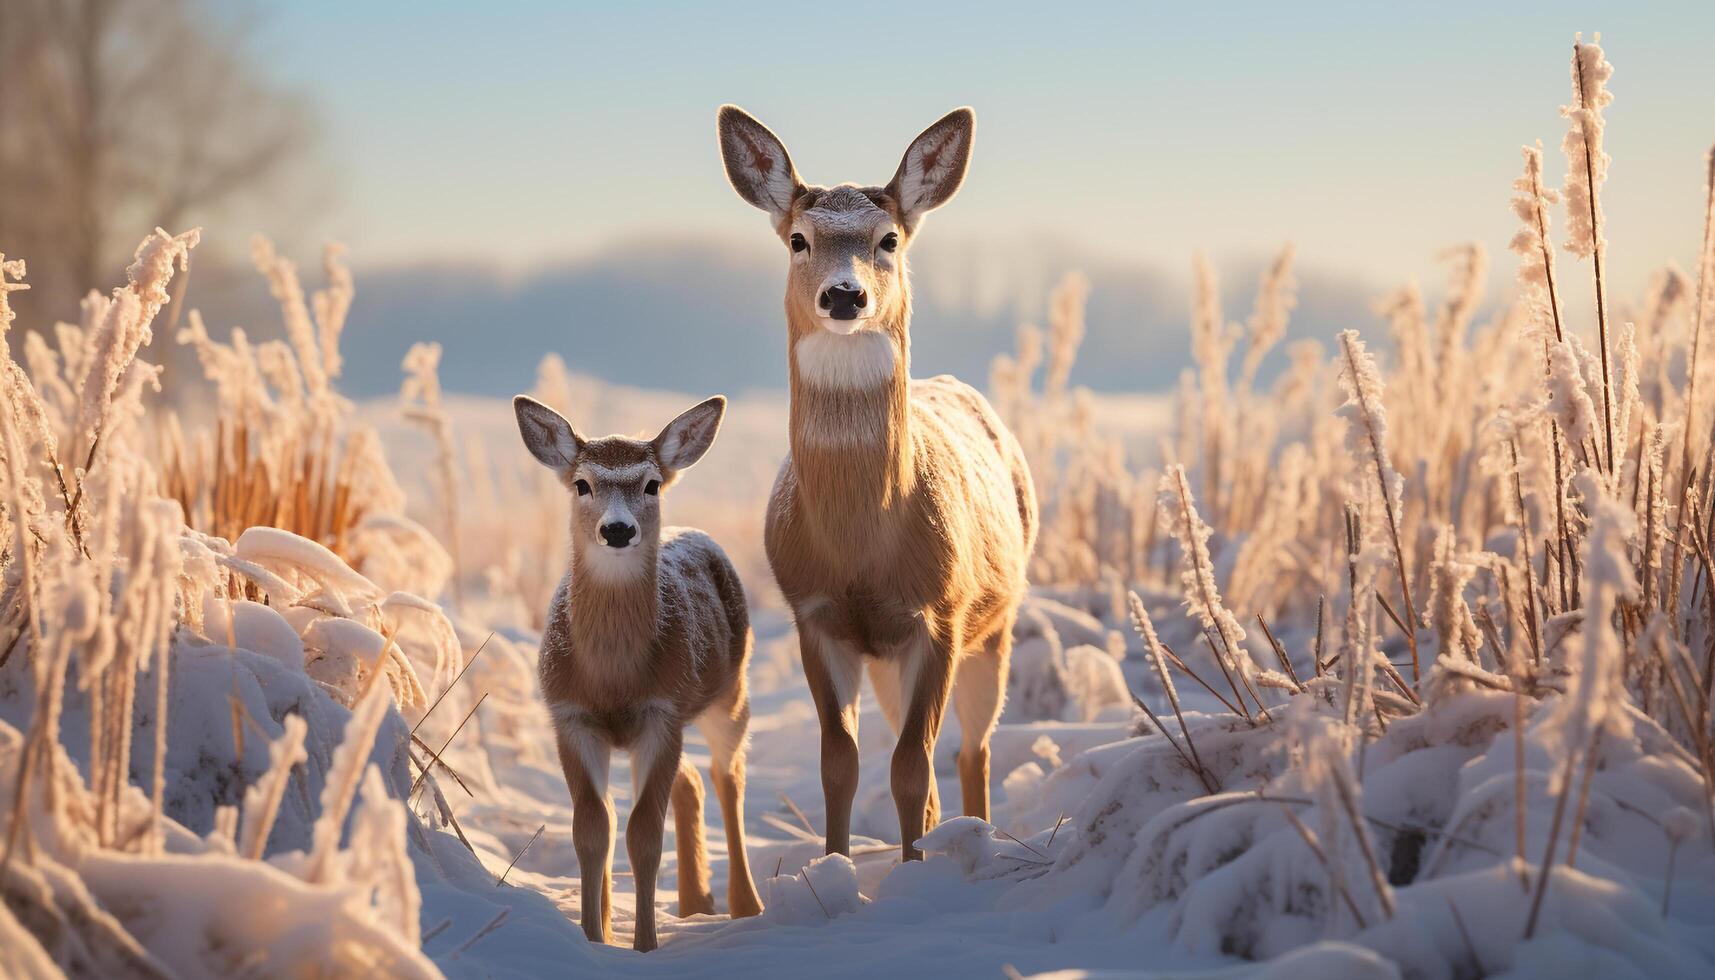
(647, 633)
(902, 520)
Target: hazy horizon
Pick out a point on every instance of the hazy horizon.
(1372, 137)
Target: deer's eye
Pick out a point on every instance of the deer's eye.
(799, 244)
(889, 241)
(583, 488)
(652, 488)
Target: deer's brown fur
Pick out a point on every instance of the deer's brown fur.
(642, 640)
(901, 522)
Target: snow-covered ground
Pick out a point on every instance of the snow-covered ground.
(918, 918)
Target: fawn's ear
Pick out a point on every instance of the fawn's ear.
(688, 437)
(934, 166)
(547, 434)
(757, 164)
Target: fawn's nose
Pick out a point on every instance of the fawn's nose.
(618, 534)
(843, 301)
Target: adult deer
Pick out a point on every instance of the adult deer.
(901, 521)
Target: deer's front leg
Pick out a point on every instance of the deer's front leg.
(930, 656)
(584, 756)
(832, 671)
(654, 767)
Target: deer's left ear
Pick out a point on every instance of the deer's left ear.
(757, 164)
(688, 437)
(934, 166)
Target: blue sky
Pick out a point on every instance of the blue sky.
(523, 134)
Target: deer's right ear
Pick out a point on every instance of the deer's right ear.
(547, 434)
(757, 164)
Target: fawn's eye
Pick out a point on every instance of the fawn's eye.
(799, 244)
(652, 488)
(583, 488)
(889, 241)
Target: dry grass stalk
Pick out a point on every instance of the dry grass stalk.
(1590, 73)
(1310, 841)
(421, 398)
(1348, 802)
(519, 856)
(1546, 869)
(1191, 762)
(1364, 389)
(1705, 257)
(455, 683)
(1531, 627)
(455, 733)
(1198, 579)
(1185, 669)
(1590, 759)
(1280, 653)
(230, 481)
(1519, 795)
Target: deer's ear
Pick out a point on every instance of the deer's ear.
(547, 434)
(934, 166)
(688, 437)
(757, 164)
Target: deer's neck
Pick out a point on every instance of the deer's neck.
(615, 603)
(851, 422)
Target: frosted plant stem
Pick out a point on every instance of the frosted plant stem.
(1316, 849)
(1546, 871)
(1376, 452)
(1563, 533)
(1667, 877)
(1547, 247)
(1704, 259)
(1519, 795)
(1698, 734)
(1524, 535)
(1596, 257)
(1146, 629)
(1188, 672)
(1583, 798)
(1221, 662)
(163, 677)
(1377, 879)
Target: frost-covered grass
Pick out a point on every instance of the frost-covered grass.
(1422, 632)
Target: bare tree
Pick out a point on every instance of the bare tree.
(120, 115)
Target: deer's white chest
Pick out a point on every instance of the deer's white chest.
(852, 362)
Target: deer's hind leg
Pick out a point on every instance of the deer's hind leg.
(978, 694)
(694, 894)
(726, 726)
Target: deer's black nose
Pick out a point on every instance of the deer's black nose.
(618, 534)
(843, 302)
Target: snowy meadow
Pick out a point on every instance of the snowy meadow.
(1400, 665)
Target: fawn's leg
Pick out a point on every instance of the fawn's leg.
(914, 792)
(654, 769)
(978, 693)
(831, 668)
(694, 894)
(726, 727)
(584, 757)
